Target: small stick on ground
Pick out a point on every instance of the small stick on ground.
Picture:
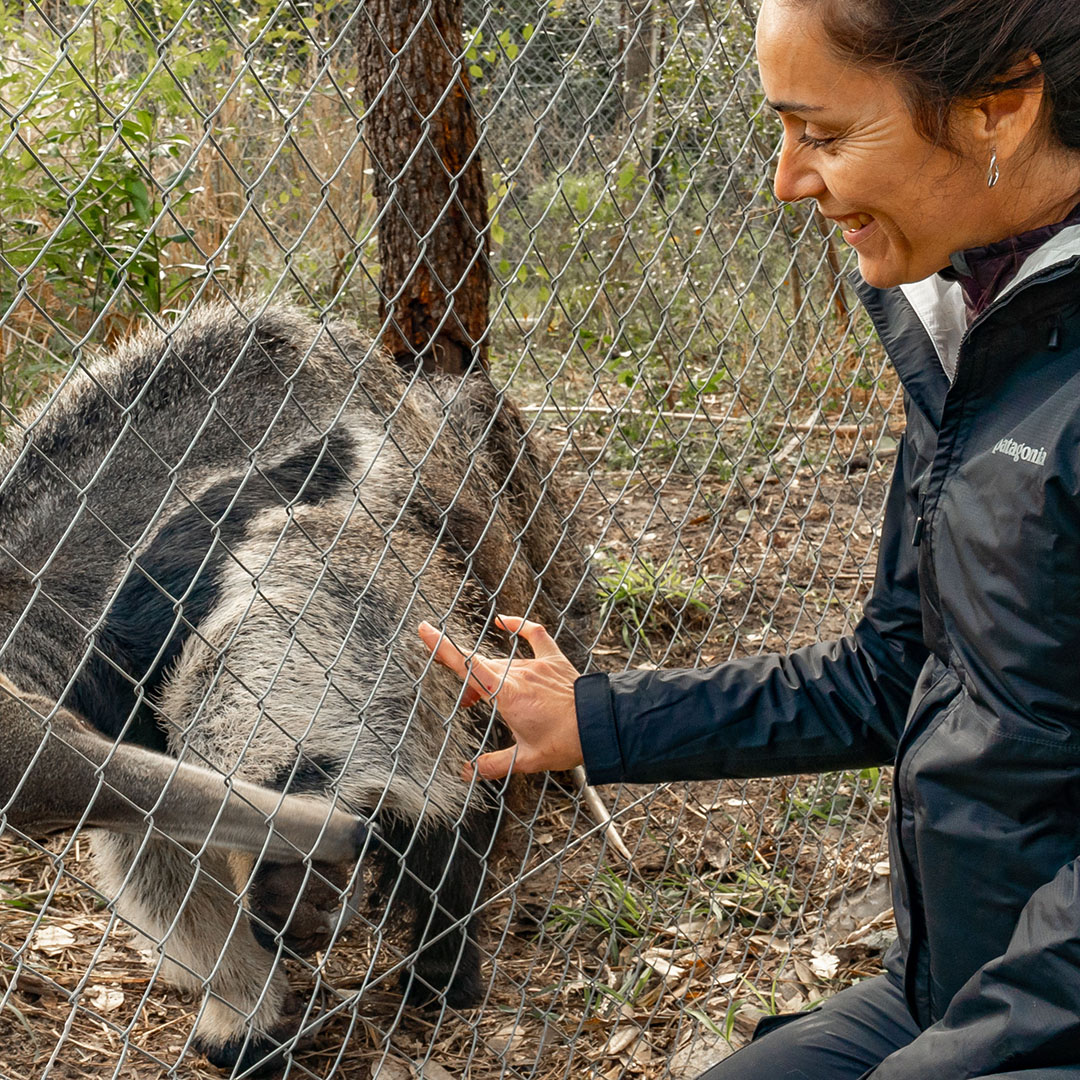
(600, 813)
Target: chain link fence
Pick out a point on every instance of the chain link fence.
(218, 542)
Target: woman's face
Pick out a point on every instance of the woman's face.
(850, 143)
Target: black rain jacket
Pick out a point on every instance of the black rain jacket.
(964, 673)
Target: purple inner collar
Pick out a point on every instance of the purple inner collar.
(984, 271)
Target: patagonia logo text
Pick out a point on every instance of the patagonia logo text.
(1020, 451)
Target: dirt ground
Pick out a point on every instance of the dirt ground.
(739, 898)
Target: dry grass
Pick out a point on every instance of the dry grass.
(593, 965)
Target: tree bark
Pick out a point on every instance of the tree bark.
(420, 131)
(839, 297)
(637, 62)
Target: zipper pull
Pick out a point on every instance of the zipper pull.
(920, 524)
(1055, 335)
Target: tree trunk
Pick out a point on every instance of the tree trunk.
(839, 297)
(638, 21)
(429, 184)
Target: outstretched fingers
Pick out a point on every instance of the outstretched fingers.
(499, 764)
(480, 681)
(538, 639)
(535, 699)
(494, 765)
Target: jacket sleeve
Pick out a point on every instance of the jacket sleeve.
(1021, 1010)
(832, 705)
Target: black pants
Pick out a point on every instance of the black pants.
(851, 1033)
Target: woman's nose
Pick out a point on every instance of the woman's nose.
(795, 178)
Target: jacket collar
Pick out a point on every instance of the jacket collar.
(984, 272)
(939, 306)
(1063, 249)
(913, 331)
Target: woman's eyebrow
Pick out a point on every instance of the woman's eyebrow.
(793, 106)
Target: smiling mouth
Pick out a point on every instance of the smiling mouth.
(854, 222)
(857, 228)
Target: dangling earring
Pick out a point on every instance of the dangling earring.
(993, 174)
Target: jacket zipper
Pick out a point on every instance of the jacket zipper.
(920, 524)
(911, 739)
(914, 732)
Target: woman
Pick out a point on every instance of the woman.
(943, 136)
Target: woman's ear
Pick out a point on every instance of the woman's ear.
(1004, 120)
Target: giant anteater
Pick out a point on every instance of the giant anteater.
(217, 543)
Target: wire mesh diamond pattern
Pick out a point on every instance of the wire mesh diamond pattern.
(237, 477)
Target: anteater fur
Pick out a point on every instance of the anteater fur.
(218, 542)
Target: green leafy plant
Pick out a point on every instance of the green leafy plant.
(833, 798)
(648, 598)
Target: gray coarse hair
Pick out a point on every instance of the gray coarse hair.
(217, 541)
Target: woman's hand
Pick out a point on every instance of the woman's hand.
(534, 697)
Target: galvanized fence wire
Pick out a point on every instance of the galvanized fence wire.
(220, 542)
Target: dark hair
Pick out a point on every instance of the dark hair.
(946, 52)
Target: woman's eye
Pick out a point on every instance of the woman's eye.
(805, 139)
